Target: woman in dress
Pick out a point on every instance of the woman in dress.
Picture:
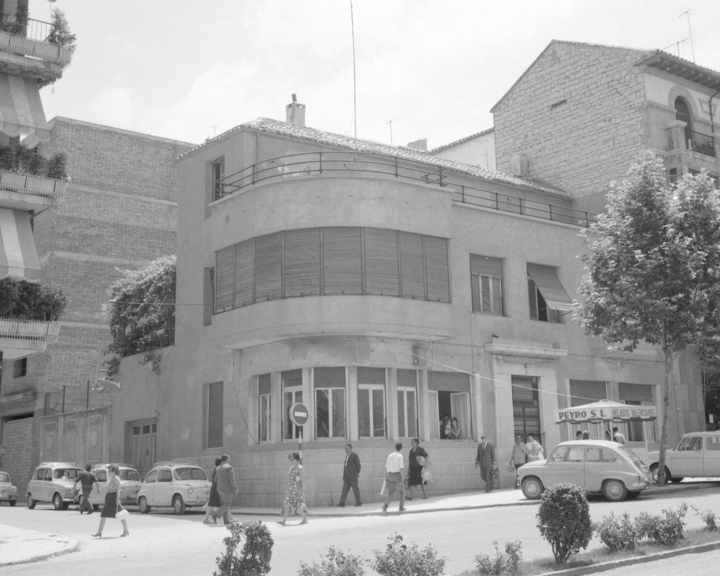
(415, 469)
(454, 429)
(295, 496)
(214, 501)
(112, 502)
(534, 449)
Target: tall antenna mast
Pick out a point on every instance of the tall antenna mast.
(352, 26)
(390, 123)
(692, 45)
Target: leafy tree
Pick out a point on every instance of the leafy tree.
(60, 34)
(653, 268)
(28, 301)
(141, 310)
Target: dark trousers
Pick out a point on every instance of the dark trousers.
(347, 484)
(224, 510)
(86, 504)
(486, 475)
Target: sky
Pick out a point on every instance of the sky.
(192, 69)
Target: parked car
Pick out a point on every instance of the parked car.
(697, 455)
(53, 482)
(593, 465)
(176, 484)
(8, 492)
(129, 485)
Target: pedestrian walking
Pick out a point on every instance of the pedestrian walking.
(112, 505)
(394, 467)
(351, 474)
(534, 449)
(519, 457)
(86, 480)
(618, 436)
(417, 460)
(485, 460)
(226, 487)
(214, 502)
(295, 495)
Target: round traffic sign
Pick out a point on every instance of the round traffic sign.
(298, 414)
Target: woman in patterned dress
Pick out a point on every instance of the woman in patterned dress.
(295, 496)
(112, 502)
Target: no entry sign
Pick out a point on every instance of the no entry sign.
(298, 414)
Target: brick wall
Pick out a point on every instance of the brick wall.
(591, 138)
(18, 461)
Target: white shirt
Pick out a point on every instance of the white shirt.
(394, 463)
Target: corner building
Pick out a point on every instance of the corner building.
(381, 287)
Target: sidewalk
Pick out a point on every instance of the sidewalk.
(18, 545)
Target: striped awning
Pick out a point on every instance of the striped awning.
(18, 255)
(21, 110)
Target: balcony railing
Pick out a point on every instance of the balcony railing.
(38, 30)
(30, 184)
(36, 47)
(694, 141)
(323, 163)
(28, 329)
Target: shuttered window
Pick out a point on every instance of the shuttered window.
(208, 294)
(302, 262)
(214, 416)
(268, 267)
(225, 279)
(412, 272)
(381, 262)
(436, 269)
(244, 273)
(342, 261)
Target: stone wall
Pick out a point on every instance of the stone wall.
(18, 460)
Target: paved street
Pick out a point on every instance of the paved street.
(183, 545)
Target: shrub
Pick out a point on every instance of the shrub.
(667, 531)
(255, 554)
(399, 559)
(335, 563)
(708, 516)
(507, 563)
(617, 533)
(30, 301)
(564, 520)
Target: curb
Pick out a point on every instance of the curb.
(72, 547)
(604, 566)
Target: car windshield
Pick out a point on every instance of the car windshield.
(128, 474)
(4, 477)
(69, 473)
(190, 474)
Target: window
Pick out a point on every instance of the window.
(151, 477)
(164, 475)
(637, 395)
(547, 296)
(217, 173)
(407, 403)
(575, 454)
(712, 443)
(291, 382)
(449, 395)
(486, 278)
(329, 386)
(264, 434)
(526, 406)
(208, 295)
(20, 368)
(224, 279)
(371, 402)
(213, 415)
(40, 474)
(600, 456)
(682, 113)
(101, 476)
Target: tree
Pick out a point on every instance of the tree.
(29, 301)
(141, 310)
(653, 268)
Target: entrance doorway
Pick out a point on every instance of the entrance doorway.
(144, 442)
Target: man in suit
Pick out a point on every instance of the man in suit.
(226, 487)
(351, 473)
(485, 460)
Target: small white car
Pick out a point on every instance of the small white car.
(8, 492)
(53, 482)
(130, 484)
(174, 484)
(697, 455)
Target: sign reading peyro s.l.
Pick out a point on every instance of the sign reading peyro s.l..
(607, 414)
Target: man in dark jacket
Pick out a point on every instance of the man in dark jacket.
(485, 460)
(351, 473)
(226, 487)
(87, 479)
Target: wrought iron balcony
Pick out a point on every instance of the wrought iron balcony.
(694, 141)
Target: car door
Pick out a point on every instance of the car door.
(600, 464)
(566, 464)
(711, 457)
(687, 460)
(38, 489)
(148, 487)
(47, 486)
(164, 487)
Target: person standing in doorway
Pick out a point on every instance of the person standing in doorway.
(351, 474)
(394, 467)
(415, 468)
(534, 449)
(227, 488)
(519, 457)
(618, 436)
(87, 479)
(485, 460)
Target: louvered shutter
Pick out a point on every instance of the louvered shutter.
(244, 273)
(215, 422)
(225, 274)
(437, 269)
(546, 280)
(412, 273)
(342, 260)
(302, 262)
(268, 267)
(208, 284)
(381, 262)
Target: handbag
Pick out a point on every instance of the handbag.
(122, 513)
(383, 490)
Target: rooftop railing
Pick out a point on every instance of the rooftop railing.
(28, 329)
(35, 42)
(321, 163)
(25, 183)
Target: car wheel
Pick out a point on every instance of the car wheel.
(675, 479)
(13, 502)
(178, 505)
(57, 502)
(143, 505)
(614, 491)
(532, 488)
(30, 502)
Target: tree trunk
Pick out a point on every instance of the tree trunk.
(669, 359)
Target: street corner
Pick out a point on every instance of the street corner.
(19, 545)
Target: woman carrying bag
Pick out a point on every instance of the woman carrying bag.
(112, 507)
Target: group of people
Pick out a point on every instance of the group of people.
(524, 452)
(616, 436)
(222, 489)
(450, 428)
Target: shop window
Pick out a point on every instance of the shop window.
(371, 402)
(449, 397)
(526, 406)
(407, 403)
(264, 408)
(330, 411)
(214, 424)
(548, 298)
(486, 287)
(291, 382)
(637, 395)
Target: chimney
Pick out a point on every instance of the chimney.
(519, 165)
(295, 113)
(418, 145)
